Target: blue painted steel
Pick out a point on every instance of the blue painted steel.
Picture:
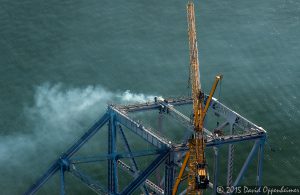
(169, 173)
(112, 151)
(109, 161)
(89, 159)
(126, 145)
(34, 188)
(88, 181)
(132, 160)
(260, 162)
(137, 128)
(78, 144)
(230, 158)
(216, 169)
(62, 180)
(143, 176)
(247, 162)
(116, 115)
(92, 131)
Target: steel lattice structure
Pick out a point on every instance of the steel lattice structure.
(117, 117)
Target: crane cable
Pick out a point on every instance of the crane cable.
(219, 99)
(220, 87)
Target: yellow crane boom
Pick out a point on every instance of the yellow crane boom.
(195, 157)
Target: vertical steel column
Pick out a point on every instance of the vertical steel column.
(216, 169)
(230, 159)
(109, 161)
(169, 173)
(247, 162)
(159, 128)
(62, 180)
(112, 162)
(260, 162)
(160, 120)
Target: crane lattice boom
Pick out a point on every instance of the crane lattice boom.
(195, 158)
(196, 144)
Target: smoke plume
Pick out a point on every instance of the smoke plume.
(57, 117)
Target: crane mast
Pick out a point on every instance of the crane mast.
(196, 143)
(198, 178)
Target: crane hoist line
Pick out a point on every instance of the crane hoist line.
(198, 177)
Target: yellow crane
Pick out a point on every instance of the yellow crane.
(198, 178)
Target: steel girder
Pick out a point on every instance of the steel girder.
(66, 163)
(63, 160)
(117, 116)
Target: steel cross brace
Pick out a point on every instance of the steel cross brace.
(143, 176)
(92, 184)
(66, 156)
(258, 146)
(117, 114)
(132, 160)
(148, 183)
(91, 159)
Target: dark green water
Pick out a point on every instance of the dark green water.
(62, 61)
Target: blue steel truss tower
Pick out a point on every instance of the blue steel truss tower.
(165, 152)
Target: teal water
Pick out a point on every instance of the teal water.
(62, 61)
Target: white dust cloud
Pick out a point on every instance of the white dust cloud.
(57, 117)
